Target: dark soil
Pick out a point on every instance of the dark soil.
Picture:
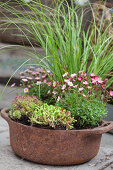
(24, 120)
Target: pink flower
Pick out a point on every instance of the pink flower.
(49, 83)
(54, 92)
(34, 73)
(45, 81)
(13, 85)
(29, 71)
(24, 80)
(93, 75)
(70, 84)
(73, 79)
(22, 77)
(38, 83)
(66, 74)
(79, 78)
(26, 90)
(63, 87)
(66, 80)
(54, 84)
(29, 86)
(99, 79)
(58, 99)
(75, 86)
(43, 77)
(81, 89)
(85, 74)
(80, 72)
(73, 75)
(94, 81)
(29, 78)
(37, 78)
(85, 83)
(111, 93)
(43, 71)
(89, 87)
(106, 80)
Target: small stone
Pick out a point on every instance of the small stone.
(92, 165)
(108, 158)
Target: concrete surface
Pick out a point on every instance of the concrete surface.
(9, 161)
(8, 95)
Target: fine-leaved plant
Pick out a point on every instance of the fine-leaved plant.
(67, 47)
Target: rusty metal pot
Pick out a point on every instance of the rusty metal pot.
(55, 147)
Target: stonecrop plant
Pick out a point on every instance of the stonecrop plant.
(23, 106)
(31, 111)
(52, 116)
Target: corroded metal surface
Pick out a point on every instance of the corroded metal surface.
(55, 147)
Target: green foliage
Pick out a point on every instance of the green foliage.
(67, 47)
(37, 82)
(15, 114)
(88, 112)
(52, 116)
(23, 106)
(41, 92)
(38, 113)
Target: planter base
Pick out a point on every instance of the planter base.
(55, 147)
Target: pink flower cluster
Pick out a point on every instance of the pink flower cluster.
(111, 93)
(81, 84)
(95, 79)
(33, 77)
(84, 86)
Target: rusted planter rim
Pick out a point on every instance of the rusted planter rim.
(105, 127)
